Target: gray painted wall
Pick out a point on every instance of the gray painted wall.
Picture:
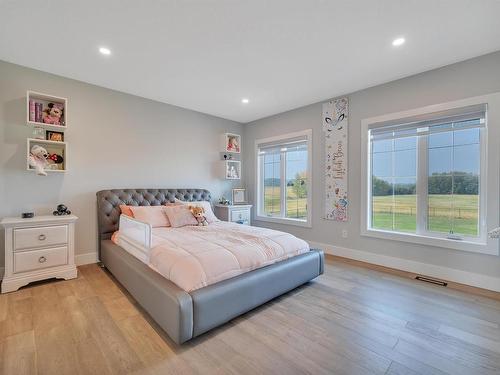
(115, 141)
(118, 140)
(470, 78)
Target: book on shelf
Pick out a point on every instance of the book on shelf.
(32, 110)
(38, 111)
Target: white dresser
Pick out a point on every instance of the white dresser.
(39, 248)
(240, 213)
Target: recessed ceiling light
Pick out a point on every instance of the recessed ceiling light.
(105, 51)
(245, 101)
(398, 42)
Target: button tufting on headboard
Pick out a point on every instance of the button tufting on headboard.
(108, 212)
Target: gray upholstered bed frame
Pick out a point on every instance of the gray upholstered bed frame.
(186, 315)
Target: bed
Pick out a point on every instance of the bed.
(184, 315)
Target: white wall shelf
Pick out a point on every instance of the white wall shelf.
(232, 169)
(33, 97)
(231, 143)
(52, 147)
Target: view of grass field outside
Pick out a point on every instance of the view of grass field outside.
(453, 183)
(296, 182)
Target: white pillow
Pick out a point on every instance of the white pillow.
(209, 214)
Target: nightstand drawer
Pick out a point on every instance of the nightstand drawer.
(27, 238)
(37, 259)
(240, 215)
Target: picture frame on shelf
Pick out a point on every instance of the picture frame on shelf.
(232, 143)
(54, 136)
(232, 169)
(239, 196)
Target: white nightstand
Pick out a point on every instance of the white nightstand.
(39, 248)
(240, 213)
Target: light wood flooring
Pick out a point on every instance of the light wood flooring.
(352, 320)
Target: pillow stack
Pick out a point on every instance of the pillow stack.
(173, 215)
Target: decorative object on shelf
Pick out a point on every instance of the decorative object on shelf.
(199, 214)
(55, 155)
(52, 114)
(239, 196)
(228, 157)
(233, 169)
(224, 201)
(45, 110)
(38, 159)
(54, 136)
(61, 210)
(38, 132)
(232, 143)
(495, 233)
(335, 127)
(28, 215)
(54, 162)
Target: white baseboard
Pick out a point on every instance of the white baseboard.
(444, 273)
(88, 258)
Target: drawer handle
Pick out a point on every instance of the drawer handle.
(42, 237)
(42, 259)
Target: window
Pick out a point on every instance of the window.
(425, 176)
(284, 178)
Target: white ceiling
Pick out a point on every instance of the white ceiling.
(207, 55)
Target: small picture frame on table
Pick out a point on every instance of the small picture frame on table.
(54, 136)
(239, 196)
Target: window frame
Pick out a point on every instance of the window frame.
(480, 244)
(259, 216)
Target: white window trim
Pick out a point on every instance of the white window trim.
(483, 244)
(258, 175)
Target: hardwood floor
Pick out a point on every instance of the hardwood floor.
(352, 320)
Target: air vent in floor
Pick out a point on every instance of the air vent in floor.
(430, 280)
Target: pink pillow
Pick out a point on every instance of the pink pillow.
(126, 210)
(170, 204)
(209, 214)
(153, 215)
(180, 216)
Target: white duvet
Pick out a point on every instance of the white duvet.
(196, 256)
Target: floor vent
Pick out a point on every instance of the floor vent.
(432, 281)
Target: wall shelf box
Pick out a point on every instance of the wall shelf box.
(232, 169)
(52, 147)
(231, 143)
(33, 97)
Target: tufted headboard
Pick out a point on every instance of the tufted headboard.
(108, 212)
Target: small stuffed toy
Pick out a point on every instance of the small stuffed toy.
(54, 160)
(199, 213)
(52, 114)
(38, 159)
(61, 210)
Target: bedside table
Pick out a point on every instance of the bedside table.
(240, 213)
(39, 248)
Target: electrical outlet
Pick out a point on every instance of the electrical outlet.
(344, 233)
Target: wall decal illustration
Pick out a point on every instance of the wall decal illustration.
(335, 127)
